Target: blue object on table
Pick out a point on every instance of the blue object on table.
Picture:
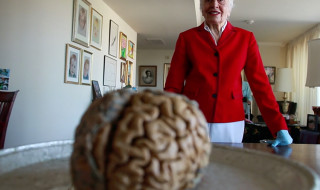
(283, 139)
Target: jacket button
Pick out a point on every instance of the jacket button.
(215, 74)
(216, 54)
(214, 95)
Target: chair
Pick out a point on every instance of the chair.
(6, 103)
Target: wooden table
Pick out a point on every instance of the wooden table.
(307, 154)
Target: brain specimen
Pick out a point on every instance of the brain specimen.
(147, 140)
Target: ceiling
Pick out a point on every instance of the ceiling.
(159, 22)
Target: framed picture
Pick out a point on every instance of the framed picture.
(312, 122)
(148, 75)
(96, 90)
(86, 67)
(123, 72)
(81, 22)
(166, 68)
(271, 73)
(109, 71)
(123, 46)
(129, 71)
(113, 39)
(4, 79)
(130, 49)
(72, 65)
(96, 29)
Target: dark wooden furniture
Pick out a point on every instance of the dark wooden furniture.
(254, 132)
(309, 137)
(6, 103)
(307, 154)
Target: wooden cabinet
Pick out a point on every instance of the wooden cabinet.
(254, 132)
(309, 137)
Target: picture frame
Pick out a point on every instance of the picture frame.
(148, 75)
(123, 46)
(72, 64)
(123, 72)
(96, 90)
(129, 73)
(166, 68)
(86, 62)
(96, 29)
(81, 22)
(109, 71)
(271, 73)
(312, 122)
(131, 49)
(113, 39)
(4, 79)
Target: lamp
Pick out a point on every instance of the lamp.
(284, 84)
(313, 76)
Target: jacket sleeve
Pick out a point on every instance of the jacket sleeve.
(262, 90)
(178, 68)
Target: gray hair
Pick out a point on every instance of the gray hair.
(230, 4)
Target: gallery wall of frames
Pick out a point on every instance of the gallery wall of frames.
(87, 32)
(56, 53)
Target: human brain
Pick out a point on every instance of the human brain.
(147, 140)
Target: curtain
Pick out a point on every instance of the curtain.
(297, 59)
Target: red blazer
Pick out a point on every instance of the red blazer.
(211, 75)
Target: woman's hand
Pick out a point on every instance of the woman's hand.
(283, 139)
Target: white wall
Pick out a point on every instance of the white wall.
(34, 35)
(274, 55)
(153, 57)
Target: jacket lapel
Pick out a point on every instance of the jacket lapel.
(227, 33)
(206, 36)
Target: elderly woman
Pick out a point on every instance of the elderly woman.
(206, 67)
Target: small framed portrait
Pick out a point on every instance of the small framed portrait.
(72, 65)
(312, 122)
(148, 76)
(4, 79)
(96, 90)
(109, 71)
(113, 39)
(96, 29)
(81, 22)
(123, 72)
(86, 67)
(123, 46)
(166, 68)
(271, 73)
(130, 49)
(129, 71)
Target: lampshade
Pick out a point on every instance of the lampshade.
(284, 80)
(313, 75)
